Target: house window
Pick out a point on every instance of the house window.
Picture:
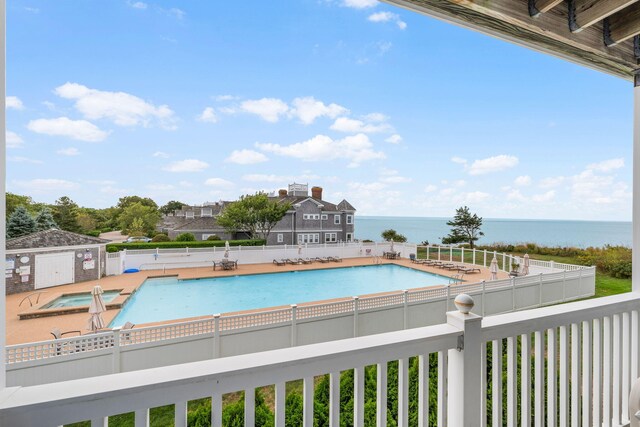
(325, 216)
(309, 238)
(190, 214)
(349, 219)
(207, 212)
(280, 238)
(349, 237)
(206, 236)
(310, 216)
(330, 237)
(336, 219)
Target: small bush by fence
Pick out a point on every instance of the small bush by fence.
(116, 247)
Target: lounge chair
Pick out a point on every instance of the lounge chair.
(467, 270)
(57, 333)
(291, 261)
(413, 258)
(323, 260)
(304, 261)
(281, 262)
(334, 258)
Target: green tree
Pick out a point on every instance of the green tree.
(138, 218)
(65, 213)
(392, 235)
(15, 200)
(44, 220)
(465, 227)
(254, 214)
(20, 223)
(171, 207)
(125, 202)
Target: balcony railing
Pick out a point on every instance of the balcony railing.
(566, 363)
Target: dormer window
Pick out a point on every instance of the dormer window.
(190, 214)
(207, 212)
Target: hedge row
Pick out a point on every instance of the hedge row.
(116, 247)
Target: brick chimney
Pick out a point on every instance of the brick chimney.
(316, 192)
(282, 193)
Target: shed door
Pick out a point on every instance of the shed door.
(54, 269)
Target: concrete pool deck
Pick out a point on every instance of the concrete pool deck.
(38, 329)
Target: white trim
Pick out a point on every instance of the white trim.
(320, 205)
(349, 220)
(330, 237)
(337, 220)
(280, 237)
(636, 191)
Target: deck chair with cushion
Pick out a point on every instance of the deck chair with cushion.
(57, 333)
(281, 262)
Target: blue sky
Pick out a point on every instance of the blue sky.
(398, 113)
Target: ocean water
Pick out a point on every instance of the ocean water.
(543, 232)
(170, 298)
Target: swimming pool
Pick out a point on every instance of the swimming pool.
(163, 299)
(75, 300)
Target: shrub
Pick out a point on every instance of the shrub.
(160, 237)
(93, 233)
(213, 237)
(115, 247)
(185, 237)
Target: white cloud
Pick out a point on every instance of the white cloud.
(308, 109)
(396, 179)
(208, 116)
(63, 126)
(188, 165)
(137, 5)
(70, 151)
(32, 9)
(359, 4)
(459, 160)
(394, 139)
(46, 184)
(268, 109)
(221, 98)
(218, 182)
(476, 197)
(515, 194)
(607, 165)
(347, 125)
(430, 188)
(122, 108)
(19, 159)
(387, 17)
(522, 180)
(545, 197)
(375, 117)
(371, 186)
(13, 140)
(551, 182)
(161, 154)
(356, 149)
(493, 164)
(161, 187)
(178, 13)
(278, 178)
(109, 189)
(246, 157)
(14, 102)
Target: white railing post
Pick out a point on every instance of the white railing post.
(294, 325)
(635, 282)
(216, 336)
(462, 254)
(464, 367)
(473, 260)
(484, 301)
(484, 260)
(540, 292)
(116, 350)
(513, 293)
(355, 315)
(564, 286)
(405, 303)
(280, 404)
(450, 253)
(552, 264)
(439, 251)
(504, 262)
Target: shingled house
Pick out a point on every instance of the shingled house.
(52, 257)
(310, 219)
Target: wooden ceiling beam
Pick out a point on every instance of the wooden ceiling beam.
(584, 13)
(538, 7)
(622, 26)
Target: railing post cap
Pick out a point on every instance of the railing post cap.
(464, 303)
(217, 315)
(294, 305)
(405, 291)
(356, 297)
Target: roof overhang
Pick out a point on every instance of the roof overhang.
(600, 34)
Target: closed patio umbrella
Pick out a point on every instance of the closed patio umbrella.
(96, 308)
(391, 249)
(226, 249)
(525, 267)
(299, 249)
(493, 268)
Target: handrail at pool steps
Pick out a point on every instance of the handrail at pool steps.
(222, 324)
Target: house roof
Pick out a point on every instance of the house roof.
(206, 223)
(327, 206)
(345, 206)
(52, 238)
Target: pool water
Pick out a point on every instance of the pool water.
(79, 299)
(169, 298)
